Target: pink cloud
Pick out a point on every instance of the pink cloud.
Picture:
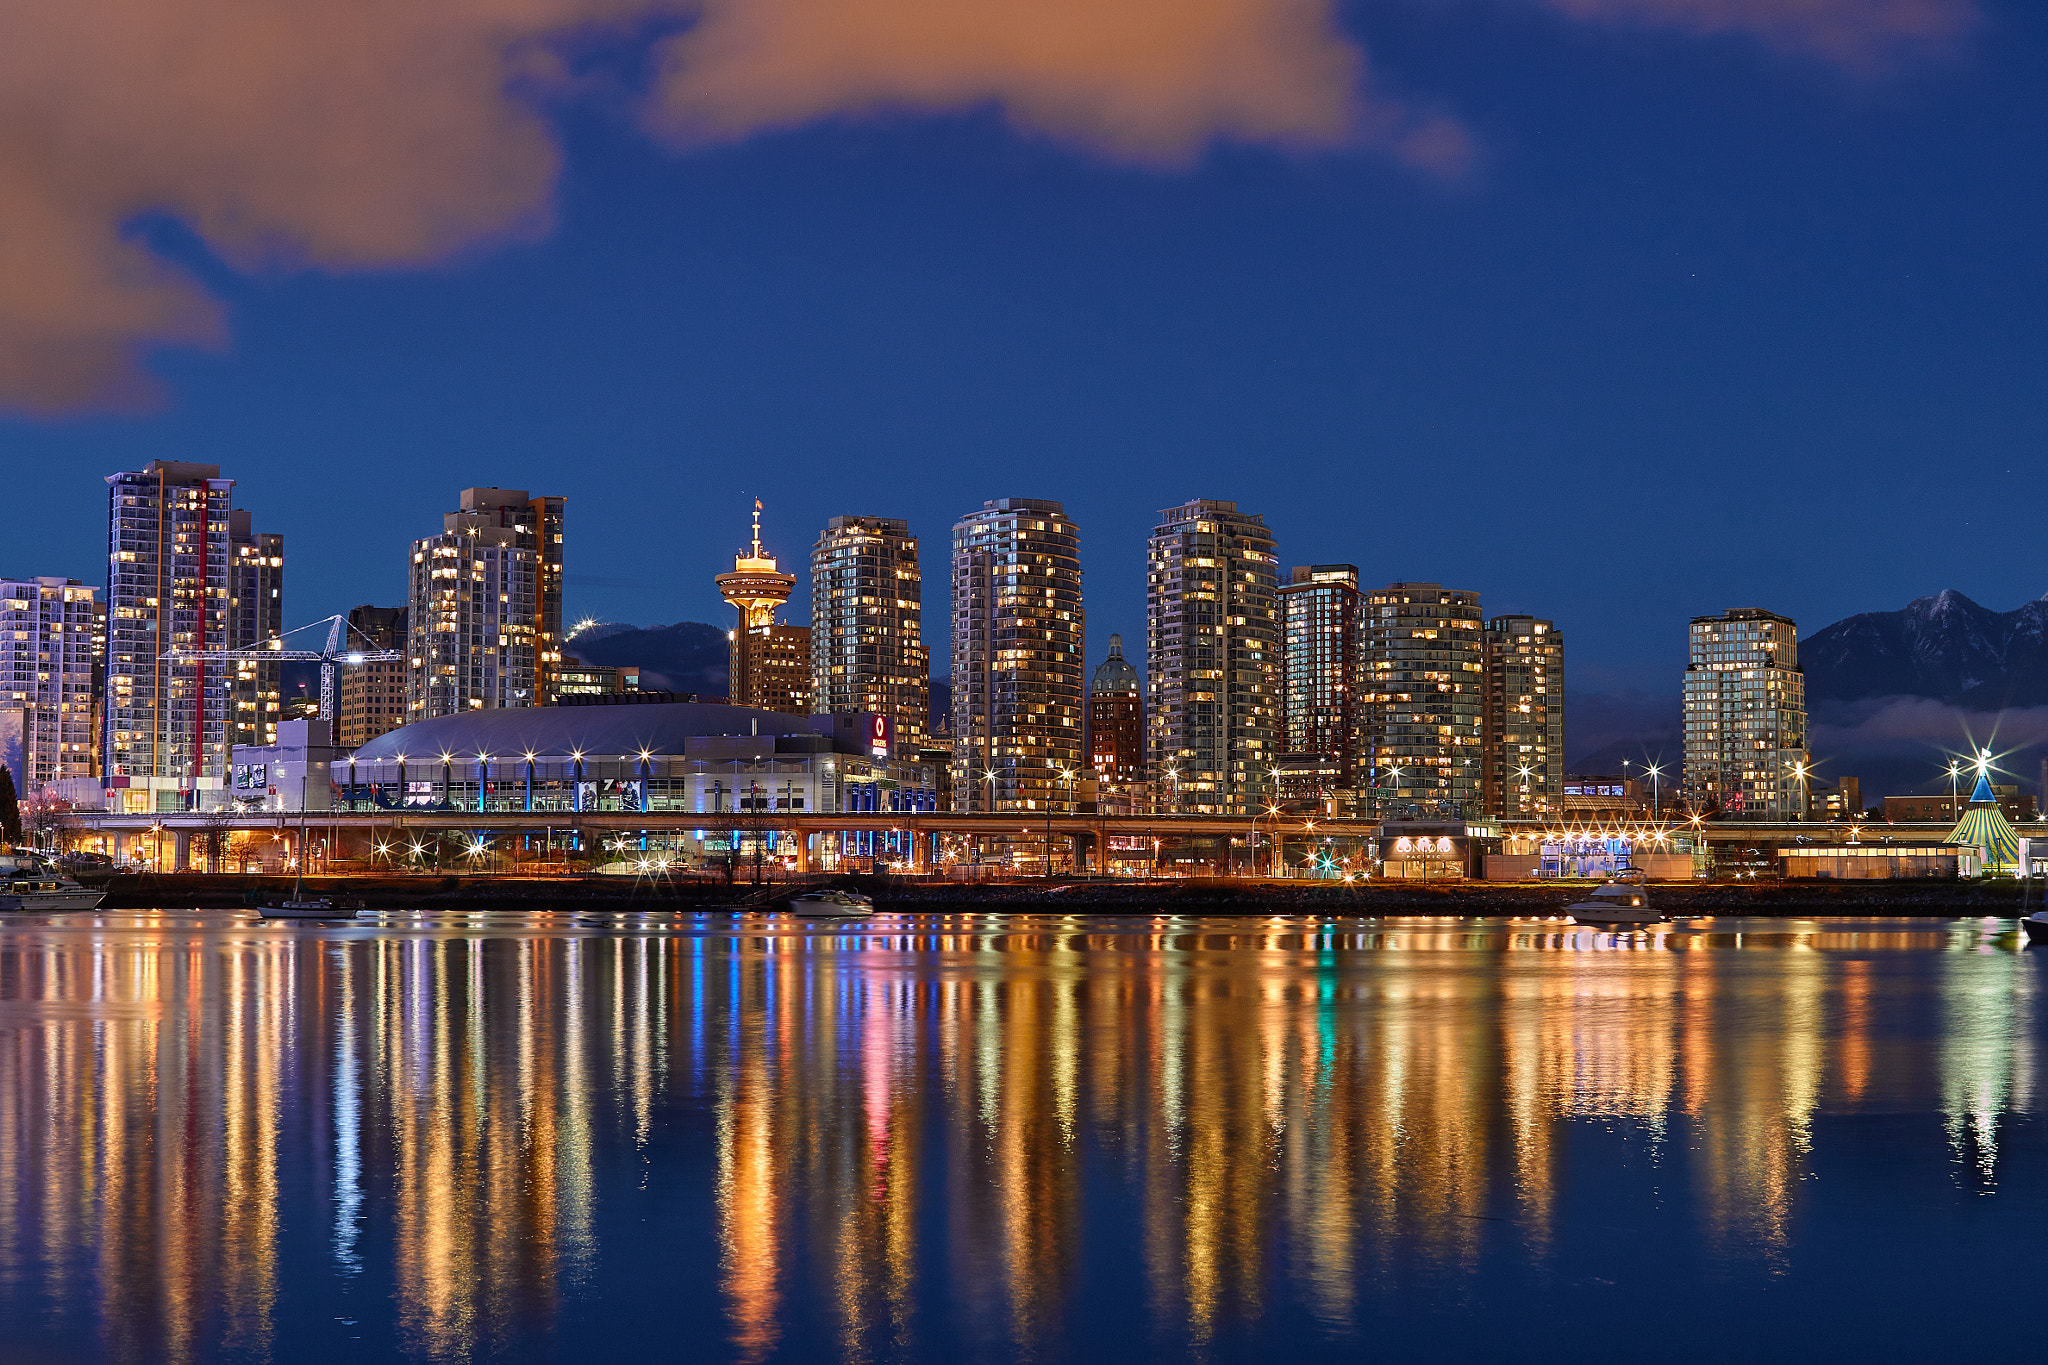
(1150, 81)
(1857, 33)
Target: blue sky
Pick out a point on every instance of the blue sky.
(1707, 322)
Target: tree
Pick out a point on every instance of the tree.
(10, 806)
(42, 815)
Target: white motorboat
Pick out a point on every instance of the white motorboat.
(834, 904)
(2036, 926)
(1617, 905)
(30, 882)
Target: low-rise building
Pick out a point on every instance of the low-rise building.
(1909, 810)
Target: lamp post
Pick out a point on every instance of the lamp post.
(1954, 792)
(1656, 792)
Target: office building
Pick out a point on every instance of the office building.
(768, 663)
(1323, 688)
(1116, 732)
(1524, 734)
(1018, 671)
(1212, 646)
(47, 668)
(1745, 716)
(472, 609)
(372, 694)
(256, 614)
(867, 619)
(169, 589)
(1425, 653)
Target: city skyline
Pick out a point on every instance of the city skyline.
(689, 330)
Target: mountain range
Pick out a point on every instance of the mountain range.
(688, 656)
(1944, 647)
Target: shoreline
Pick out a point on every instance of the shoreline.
(458, 893)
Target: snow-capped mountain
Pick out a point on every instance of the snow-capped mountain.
(1945, 646)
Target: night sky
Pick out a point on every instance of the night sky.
(1616, 311)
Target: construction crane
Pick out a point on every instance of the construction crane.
(339, 651)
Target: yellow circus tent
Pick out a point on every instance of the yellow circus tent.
(1985, 828)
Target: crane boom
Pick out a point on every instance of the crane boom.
(273, 651)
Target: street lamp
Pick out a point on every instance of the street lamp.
(1954, 793)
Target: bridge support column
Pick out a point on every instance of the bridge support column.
(181, 850)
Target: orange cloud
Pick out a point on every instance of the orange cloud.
(375, 134)
(1143, 80)
(355, 134)
(1857, 33)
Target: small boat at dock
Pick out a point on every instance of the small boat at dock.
(1617, 905)
(832, 904)
(29, 881)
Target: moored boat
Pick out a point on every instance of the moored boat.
(312, 907)
(31, 882)
(833, 904)
(1617, 905)
(2036, 926)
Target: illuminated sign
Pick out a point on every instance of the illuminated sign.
(881, 734)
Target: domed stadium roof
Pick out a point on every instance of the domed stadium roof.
(660, 728)
(1115, 673)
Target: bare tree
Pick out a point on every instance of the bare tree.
(217, 826)
(42, 815)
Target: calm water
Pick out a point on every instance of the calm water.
(979, 1138)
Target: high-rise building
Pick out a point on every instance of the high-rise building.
(1212, 643)
(1745, 715)
(1324, 677)
(867, 647)
(473, 607)
(256, 614)
(1116, 730)
(169, 589)
(536, 525)
(47, 666)
(768, 664)
(1018, 670)
(549, 636)
(1425, 655)
(1524, 737)
(372, 695)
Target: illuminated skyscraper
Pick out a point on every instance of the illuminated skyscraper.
(769, 665)
(867, 650)
(1425, 713)
(256, 701)
(1018, 671)
(1325, 668)
(1745, 715)
(1116, 729)
(1212, 628)
(547, 518)
(169, 569)
(47, 664)
(473, 609)
(1524, 739)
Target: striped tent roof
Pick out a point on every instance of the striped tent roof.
(1985, 827)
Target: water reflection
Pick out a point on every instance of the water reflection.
(954, 1135)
